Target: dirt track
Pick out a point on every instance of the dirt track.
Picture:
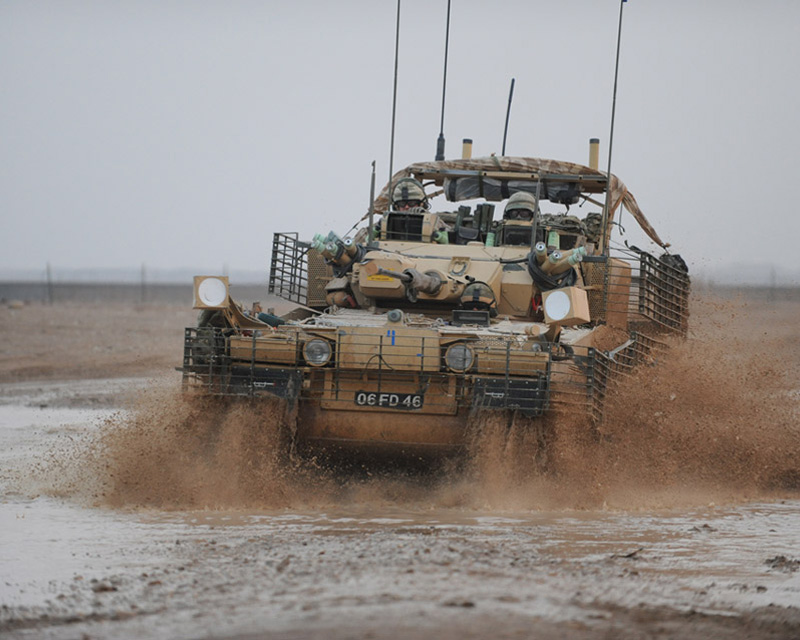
(115, 526)
(78, 341)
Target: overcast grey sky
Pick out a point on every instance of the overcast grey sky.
(184, 133)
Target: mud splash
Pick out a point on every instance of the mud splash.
(711, 416)
(171, 451)
(716, 420)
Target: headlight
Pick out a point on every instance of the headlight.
(317, 352)
(557, 305)
(210, 292)
(459, 357)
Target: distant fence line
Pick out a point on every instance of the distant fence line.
(755, 293)
(143, 284)
(104, 292)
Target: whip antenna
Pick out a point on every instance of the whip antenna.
(394, 102)
(606, 209)
(371, 227)
(440, 141)
(508, 115)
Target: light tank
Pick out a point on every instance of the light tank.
(427, 318)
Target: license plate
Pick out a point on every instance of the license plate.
(389, 400)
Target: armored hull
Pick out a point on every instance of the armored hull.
(424, 320)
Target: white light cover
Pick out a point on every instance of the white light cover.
(557, 305)
(212, 292)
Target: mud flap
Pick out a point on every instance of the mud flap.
(530, 396)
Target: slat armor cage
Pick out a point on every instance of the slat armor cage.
(288, 275)
(214, 364)
(298, 273)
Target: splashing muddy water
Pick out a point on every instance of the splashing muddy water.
(714, 419)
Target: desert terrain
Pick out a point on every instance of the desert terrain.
(129, 510)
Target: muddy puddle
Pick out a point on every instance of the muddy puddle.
(87, 552)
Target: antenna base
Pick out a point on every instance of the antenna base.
(440, 147)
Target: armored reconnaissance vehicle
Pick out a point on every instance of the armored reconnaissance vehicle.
(424, 319)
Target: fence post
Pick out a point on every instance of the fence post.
(49, 285)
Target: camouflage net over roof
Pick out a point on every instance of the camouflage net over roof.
(619, 192)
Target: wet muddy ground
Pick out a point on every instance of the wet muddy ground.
(680, 519)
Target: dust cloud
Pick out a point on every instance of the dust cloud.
(715, 421)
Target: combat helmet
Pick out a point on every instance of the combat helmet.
(408, 190)
(521, 201)
(479, 296)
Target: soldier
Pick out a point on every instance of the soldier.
(479, 296)
(408, 194)
(520, 206)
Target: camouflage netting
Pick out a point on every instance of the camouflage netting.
(619, 192)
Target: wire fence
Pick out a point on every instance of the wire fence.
(144, 284)
(106, 293)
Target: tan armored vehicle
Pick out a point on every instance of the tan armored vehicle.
(430, 316)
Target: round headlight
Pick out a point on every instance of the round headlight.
(212, 292)
(317, 352)
(459, 357)
(557, 305)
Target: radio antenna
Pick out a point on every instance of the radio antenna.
(508, 115)
(604, 242)
(371, 227)
(440, 141)
(394, 101)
